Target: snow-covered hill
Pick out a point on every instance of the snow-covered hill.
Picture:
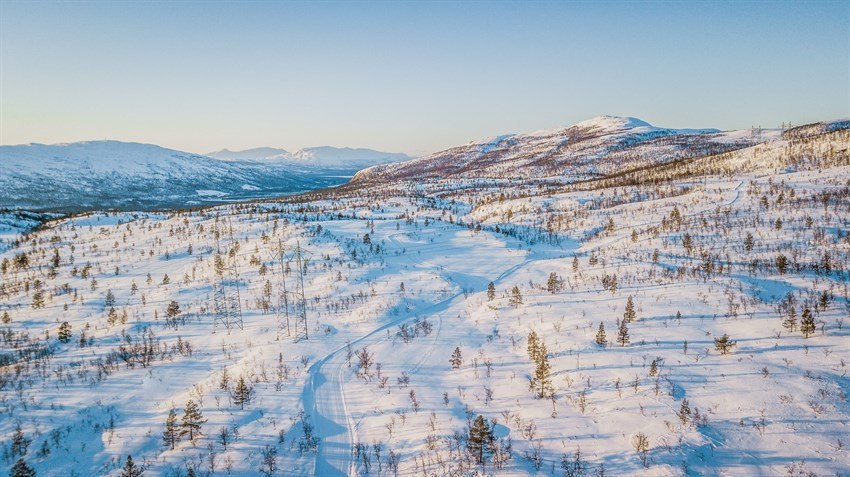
(255, 154)
(688, 318)
(110, 174)
(321, 157)
(591, 148)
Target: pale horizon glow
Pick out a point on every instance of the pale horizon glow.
(408, 76)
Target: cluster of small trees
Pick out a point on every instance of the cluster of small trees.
(190, 425)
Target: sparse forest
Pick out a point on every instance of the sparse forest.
(683, 313)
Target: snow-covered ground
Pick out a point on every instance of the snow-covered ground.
(373, 390)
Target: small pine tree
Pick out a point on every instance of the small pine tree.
(601, 338)
(480, 440)
(21, 469)
(653, 368)
(629, 315)
(533, 346)
(553, 284)
(173, 310)
(38, 300)
(110, 299)
(807, 322)
(749, 243)
(166, 280)
(20, 443)
(542, 381)
(491, 291)
(192, 420)
(242, 393)
(790, 321)
(781, 264)
(723, 344)
(172, 432)
(516, 297)
(688, 243)
(623, 334)
(457, 359)
(65, 332)
(131, 469)
(684, 411)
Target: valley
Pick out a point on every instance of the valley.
(674, 316)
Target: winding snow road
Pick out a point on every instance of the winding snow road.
(324, 396)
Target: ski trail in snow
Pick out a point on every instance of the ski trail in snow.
(324, 396)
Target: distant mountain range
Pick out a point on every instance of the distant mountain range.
(323, 156)
(131, 176)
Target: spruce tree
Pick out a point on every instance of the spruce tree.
(553, 284)
(533, 346)
(20, 442)
(807, 322)
(542, 380)
(242, 393)
(749, 242)
(480, 440)
(516, 297)
(131, 469)
(65, 332)
(685, 411)
(653, 368)
(172, 432)
(21, 469)
(457, 359)
(38, 300)
(629, 314)
(192, 420)
(623, 334)
(601, 338)
(781, 264)
(790, 321)
(491, 291)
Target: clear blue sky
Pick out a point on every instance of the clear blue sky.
(409, 76)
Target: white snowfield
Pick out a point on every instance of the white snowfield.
(396, 284)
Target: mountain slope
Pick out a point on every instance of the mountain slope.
(111, 174)
(590, 148)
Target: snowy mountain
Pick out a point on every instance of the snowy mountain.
(590, 148)
(322, 156)
(111, 174)
(255, 154)
(685, 318)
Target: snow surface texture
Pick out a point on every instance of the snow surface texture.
(373, 391)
